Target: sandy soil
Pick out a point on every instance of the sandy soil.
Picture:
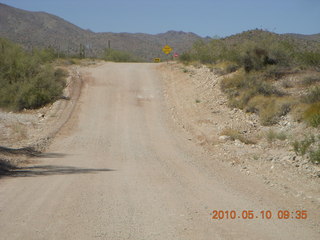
(121, 168)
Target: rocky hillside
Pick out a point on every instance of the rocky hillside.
(304, 42)
(39, 29)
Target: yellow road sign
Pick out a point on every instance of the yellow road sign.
(167, 49)
(157, 60)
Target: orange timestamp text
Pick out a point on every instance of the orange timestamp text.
(264, 214)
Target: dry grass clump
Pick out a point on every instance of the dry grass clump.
(273, 135)
(270, 109)
(252, 93)
(236, 135)
(312, 114)
(309, 146)
(310, 80)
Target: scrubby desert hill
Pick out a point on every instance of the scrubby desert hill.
(40, 29)
(305, 42)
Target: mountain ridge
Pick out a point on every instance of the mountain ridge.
(41, 29)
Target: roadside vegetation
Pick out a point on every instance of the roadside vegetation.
(271, 76)
(28, 80)
(31, 79)
(234, 134)
(258, 66)
(309, 146)
(118, 56)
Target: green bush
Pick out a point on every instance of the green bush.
(310, 145)
(309, 58)
(117, 56)
(257, 59)
(301, 147)
(313, 96)
(45, 55)
(44, 88)
(185, 57)
(25, 81)
(202, 52)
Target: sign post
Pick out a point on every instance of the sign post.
(167, 49)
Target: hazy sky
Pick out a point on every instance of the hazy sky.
(204, 17)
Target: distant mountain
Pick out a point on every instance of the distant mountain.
(40, 29)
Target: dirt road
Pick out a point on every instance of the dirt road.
(120, 169)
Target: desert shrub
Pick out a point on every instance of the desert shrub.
(25, 82)
(224, 67)
(233, 84)
(272, 135)
(309, 58)
(286, 84)
(274, 72)
(266, 89)
(312, 114)
(230, 67)
(313, 95)
(315, 155)
(310, 80)
(281, 51)
(117, 56)
(268, 112)
(301, 147)
(309, 146)
(44, 88)
(44, 55)
(201, 52)
(269, 108)
(185, 57)
(213, 52)
(242, 87)
(60, 74)
(298, 111)
(253, 81)
(257, 59)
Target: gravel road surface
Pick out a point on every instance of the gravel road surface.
(121, 169)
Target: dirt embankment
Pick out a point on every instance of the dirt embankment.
(200, 107)
(28, 133)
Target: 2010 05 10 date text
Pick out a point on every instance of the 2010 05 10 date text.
(263, 214)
